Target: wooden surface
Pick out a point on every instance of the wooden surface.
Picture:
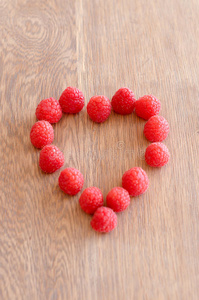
(47, 247)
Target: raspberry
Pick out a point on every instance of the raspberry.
(104, 219)
(71, 181)
(123, 101)
(147, 106)
(51, 159)
(41, 134)
(49, 110)
(157, 155)
(71, 100)
(118, 199)
(91, 199)
(135, 181)
(99, 108)
(156, 129)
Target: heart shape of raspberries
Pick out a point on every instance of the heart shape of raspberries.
(134, 181)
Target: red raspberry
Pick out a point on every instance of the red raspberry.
(71, 181)
(51, 159)
(135, 181)
(118, 199)
(99, 108)
(147, 106)
(71, 100)
(104, 219)
(91, 199)
(157, 155)
(156, 129)
(41, 134)
(123, 101)
(49, 110)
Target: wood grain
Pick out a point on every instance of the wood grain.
(47, 247)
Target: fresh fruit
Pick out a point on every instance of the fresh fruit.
(41, 134)
(91, 199)
(118, 199)
(123, 101)
(99, 108)
(135, 181)
(104, 220)
(71, 181)
(156, 129)
(71, 100)
(51, 159)
(49, 110)
(147, 106)
(157, 155)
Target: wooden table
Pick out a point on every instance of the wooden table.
(47, 248)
